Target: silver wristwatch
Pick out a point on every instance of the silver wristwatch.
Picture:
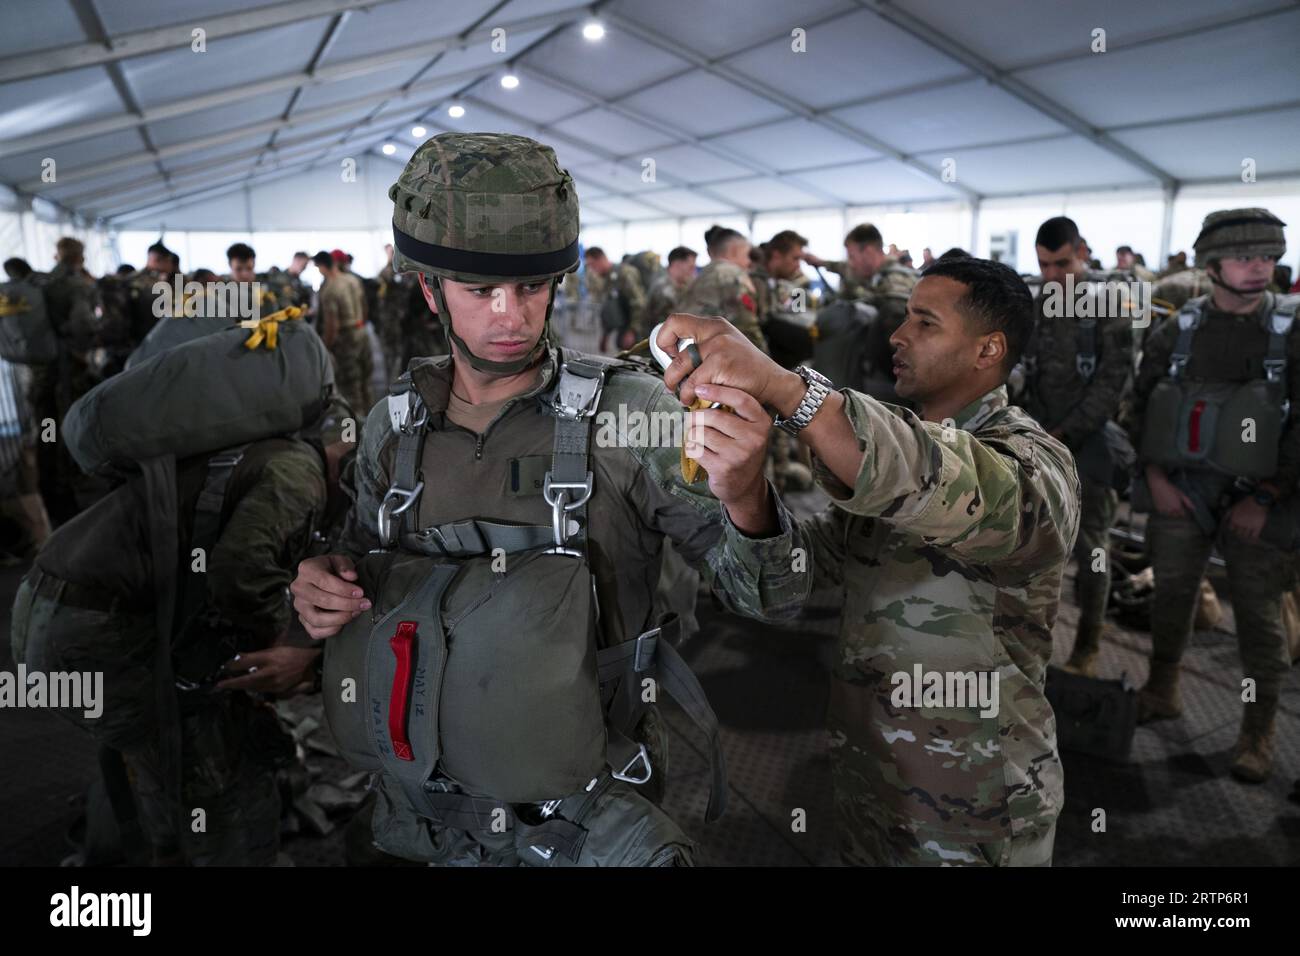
(819, 386)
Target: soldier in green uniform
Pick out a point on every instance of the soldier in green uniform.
(287, 284)
(724, 287)
(1214, 418)
(393, 298)
(662, 298)
(472, 444)
(342, 332)
(869, 275)
(949, 531)
(242, 260)
(1078, 367)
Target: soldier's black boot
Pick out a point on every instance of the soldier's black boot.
(1161, 698)
(1252, 755)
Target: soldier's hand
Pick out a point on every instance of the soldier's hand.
(1246, 518)
(727, 358)
(325, 594)
(812, 260)
(1168, 499)
(276, 670)
(732, 447)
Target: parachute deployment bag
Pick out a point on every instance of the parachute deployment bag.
(478, 684)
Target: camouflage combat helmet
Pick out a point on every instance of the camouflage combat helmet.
(485, 208)
(1239, 232)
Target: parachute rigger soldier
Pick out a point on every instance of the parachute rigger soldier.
(949, 532)
(1214, 416)
(504, 548)
(1077, 369)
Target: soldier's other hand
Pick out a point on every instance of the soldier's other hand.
(325, 594)
(812, 260)
(732, 447)
(1168, 498)
(1246, 518)
(276, 670)
(726, 358)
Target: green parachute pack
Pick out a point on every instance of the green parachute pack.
(26, 335)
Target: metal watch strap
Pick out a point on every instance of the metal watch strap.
(819, 386)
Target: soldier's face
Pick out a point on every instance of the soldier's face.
(1248, 273)
(785, 265)
(501, 322)
(242, 270)
(1056, 264)
(1124, 260)
(936, 347)
(862, 258)
(157, 262)
(681, 270)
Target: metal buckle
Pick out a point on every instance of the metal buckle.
(556, 494)
(225, 461)
(638, 665)
(1086, 367)
(577, 396)
(549, 807)
(623, 774)
(410, 427)
(388, 509)
(1273, 370)
(544, 852)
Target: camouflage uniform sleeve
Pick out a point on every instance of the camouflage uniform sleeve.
(825, 535)
(839, 266)
(1157, 348)
(984, 499)
(1101, 398)
(742, 311)
(756, 577)
(365, 483)
(255, 558)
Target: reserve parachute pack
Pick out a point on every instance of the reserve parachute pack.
(217, 391)
(1202, 424)
(479, 682)
(26, 335)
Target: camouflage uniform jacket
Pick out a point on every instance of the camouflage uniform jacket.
(661, 303)
(631, 292)
(950, 548)
(723, 288)
(892, 282)
(1058, 395)
(638, 497)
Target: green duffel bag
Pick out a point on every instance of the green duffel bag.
(26, 336)
(218, 391)
(170, 332)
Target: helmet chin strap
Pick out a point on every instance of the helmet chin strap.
(486, 365)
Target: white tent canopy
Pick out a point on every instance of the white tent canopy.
(681, 111)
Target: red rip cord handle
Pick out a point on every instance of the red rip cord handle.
(403, 645)
(1194, 427)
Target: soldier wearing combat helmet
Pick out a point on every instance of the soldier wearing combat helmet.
(1215, 406)
(492, 604)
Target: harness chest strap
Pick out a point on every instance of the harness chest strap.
(1281, 318)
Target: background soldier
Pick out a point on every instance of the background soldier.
(1077, 371)
(343, 335)
(869, 275)
(1236, 348)
(662, 299)
(723, 287)
(243, 268)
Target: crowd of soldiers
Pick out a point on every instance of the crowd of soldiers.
(467, 522)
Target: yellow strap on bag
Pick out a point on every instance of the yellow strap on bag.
(266, 328)
(13, 306)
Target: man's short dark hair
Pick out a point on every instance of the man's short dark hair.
(240, 252)
(1123, 250)
(1056, 232)
(301, 255)
(956, 252)
(865, 235)
(717, 238)
(204, 275)
(680, 253)
(17, 268)
(158, 248)
(996, 299)
(125, 269)
(176, 261)
(323, 260)
(594, 252)
(787, 240)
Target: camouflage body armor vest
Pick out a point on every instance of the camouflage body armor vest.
(479, 682)
(1202, 424)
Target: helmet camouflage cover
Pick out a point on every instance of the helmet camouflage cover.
(1239, 232)
(485, 207)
